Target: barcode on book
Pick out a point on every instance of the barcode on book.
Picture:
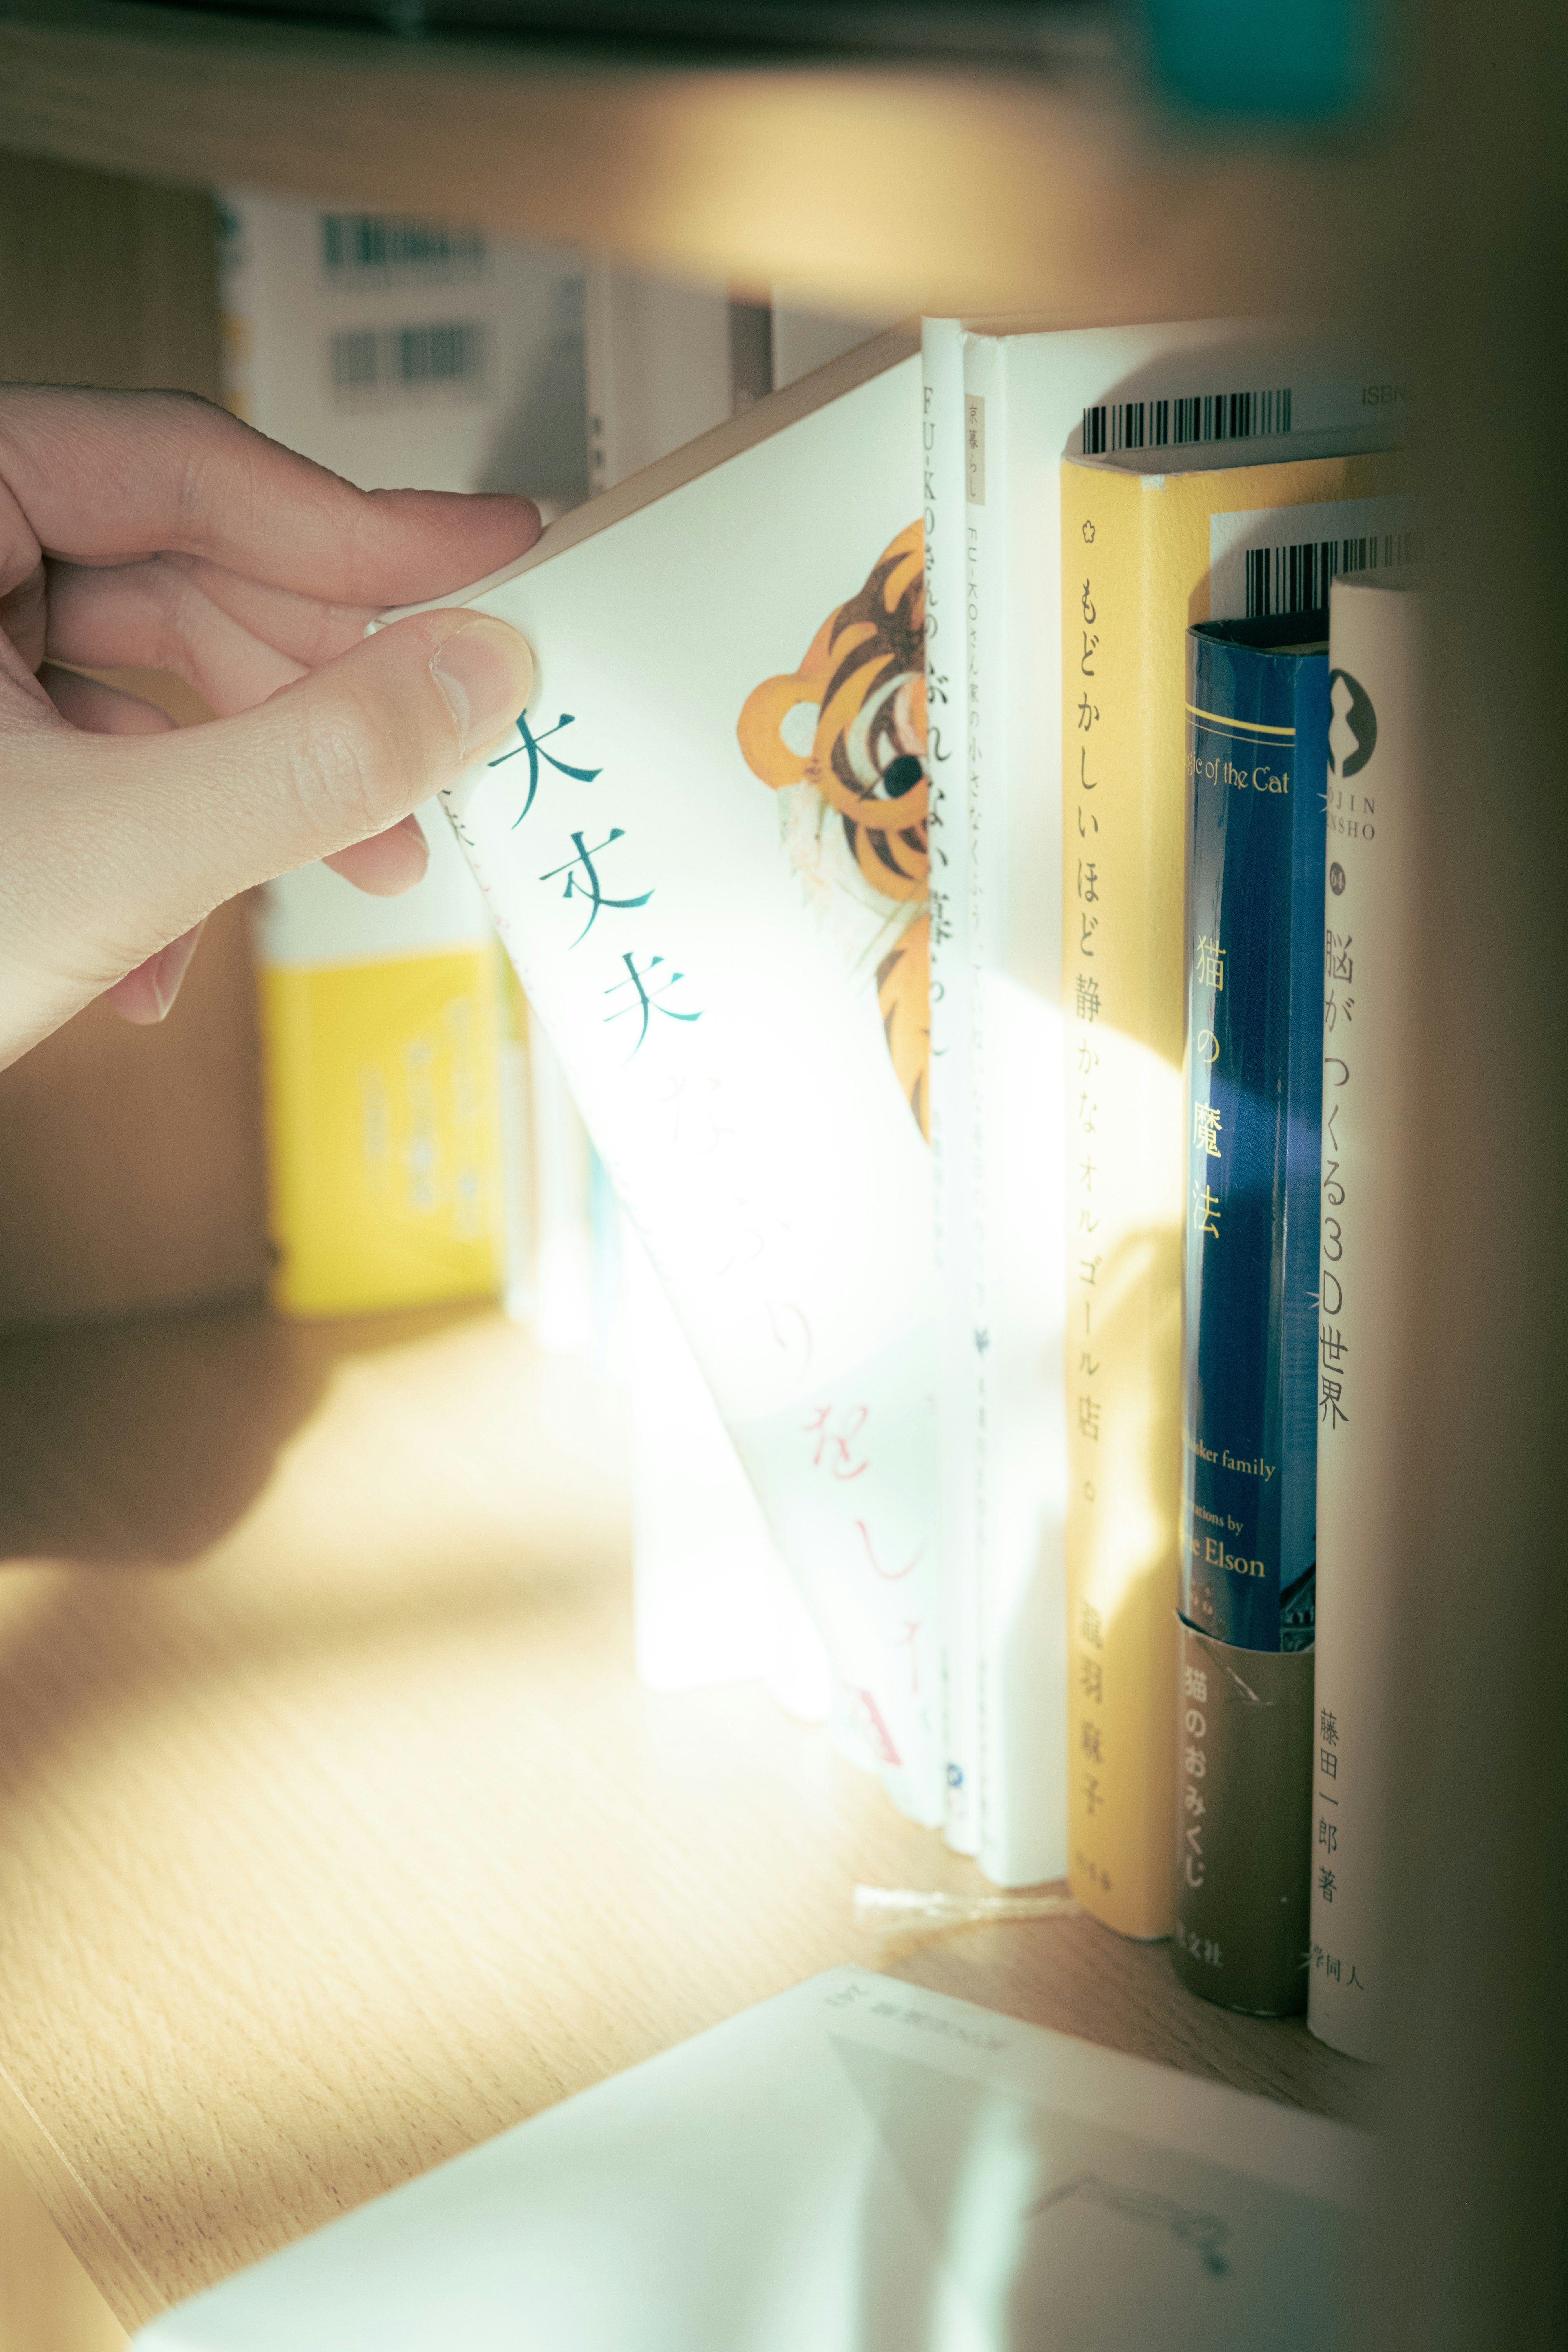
(449, 355)
(1296, 579)
(357, 247)
(1186, 424)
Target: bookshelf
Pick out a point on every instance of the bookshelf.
(340, 1834)
(922, 185)
(261, 1961)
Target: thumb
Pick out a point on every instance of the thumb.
(149, 833)
(342, 752)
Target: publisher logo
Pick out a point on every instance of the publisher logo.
(1336, 879)
(1353, 731)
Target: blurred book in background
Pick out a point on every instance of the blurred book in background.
(416, 1150)
(403, 353)
(381, 1030)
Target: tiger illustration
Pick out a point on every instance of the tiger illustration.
(850, 725)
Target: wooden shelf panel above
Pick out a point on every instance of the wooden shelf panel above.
(850, 183)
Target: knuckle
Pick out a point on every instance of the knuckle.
(353, 775)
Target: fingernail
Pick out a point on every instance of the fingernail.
(486, 672)
(413, 831)
(171, 966)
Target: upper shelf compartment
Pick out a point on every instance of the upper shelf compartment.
(938, 186)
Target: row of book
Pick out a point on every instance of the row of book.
(1129, 960)
(887, 1048)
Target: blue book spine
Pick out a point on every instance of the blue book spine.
(1258, 726)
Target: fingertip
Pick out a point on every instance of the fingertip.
(453, 537)
(384, 864)
(484, 669)
(146, 996)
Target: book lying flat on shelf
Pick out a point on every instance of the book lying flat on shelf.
(705, 848)
(1376, 644)
(1152, 541)
(857, 2166)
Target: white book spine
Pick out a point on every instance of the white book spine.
(1375, 634)
(946, 656)
(658, 369)
(1015, 1179)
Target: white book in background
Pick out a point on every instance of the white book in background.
(406, 353)
(1031, 398)
(856, 2166)
(803, 339)
(660, 368)
(705, 847)
(1376, 812)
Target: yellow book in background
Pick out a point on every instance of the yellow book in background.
(382, 1029)
(1147, 552)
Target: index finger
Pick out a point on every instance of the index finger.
(102, 477)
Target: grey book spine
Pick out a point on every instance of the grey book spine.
(1244, 1773)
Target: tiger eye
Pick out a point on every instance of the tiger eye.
(901, 775)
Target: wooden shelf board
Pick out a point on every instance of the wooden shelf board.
(335, 1832)
(847, 183)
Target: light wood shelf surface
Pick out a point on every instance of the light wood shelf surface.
(335, 1832)
(850, 183)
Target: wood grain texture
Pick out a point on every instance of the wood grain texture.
(131, 1163)
(48, 2303)
(105, 279)
(929, 187)
(335, 1832)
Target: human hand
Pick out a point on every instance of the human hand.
(151, 530)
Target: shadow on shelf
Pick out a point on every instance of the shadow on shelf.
(139, 1443)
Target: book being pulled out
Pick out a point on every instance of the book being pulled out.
(705, 848)
(857, 2166)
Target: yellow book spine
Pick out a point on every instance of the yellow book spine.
(383, 1132)
(1121, 946)
(1136, 554)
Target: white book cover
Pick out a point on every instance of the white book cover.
(711, 1599)
(1030, 399)
(706, 851)
(856, 2166)
(1376, 637)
